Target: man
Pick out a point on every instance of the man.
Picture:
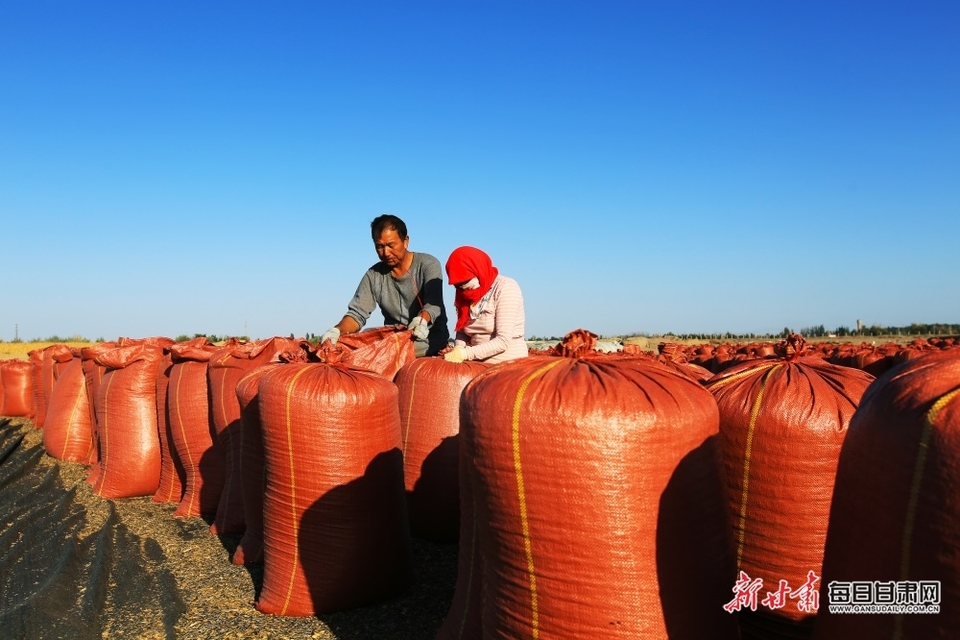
(407, 286)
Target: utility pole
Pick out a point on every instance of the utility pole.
(16, 333)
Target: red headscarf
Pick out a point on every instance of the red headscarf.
(466, 263)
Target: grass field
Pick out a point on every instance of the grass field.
(20, 350)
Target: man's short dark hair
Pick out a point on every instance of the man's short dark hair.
(388, 221)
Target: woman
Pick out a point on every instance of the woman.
(490, 319)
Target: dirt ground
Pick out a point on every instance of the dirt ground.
(211, 597)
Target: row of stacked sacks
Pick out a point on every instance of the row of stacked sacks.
(591, 501)
(783, 420)
(599, 494)
(877, 359)
(834, 481)
(321, 463)
(874, 359)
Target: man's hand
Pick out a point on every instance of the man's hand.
(332, 335)
(419, 327)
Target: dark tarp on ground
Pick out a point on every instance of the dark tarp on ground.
(62, 576)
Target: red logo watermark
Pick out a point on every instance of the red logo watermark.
(746, 593)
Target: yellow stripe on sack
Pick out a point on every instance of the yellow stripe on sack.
(918, 469)
(223, 407)
(396, 354)
(752, 371)
(72, 421)
(524, 523)
(406, 427)
(754, 413)
(93, 417)
(226, 429)
(293, 489)
(186, 441)
(102, 431)
(242, 430)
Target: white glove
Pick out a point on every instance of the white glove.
(419, 327)
(472, 283)
(457, 354)
(332, 335)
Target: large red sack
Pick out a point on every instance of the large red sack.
(191, 429)
(93, 376)
(19, 400)
(895, 516)
(228, 364)
(429, 398)
(782, 423)
(127, 421)
(39, 400)
(464, 619)
(68, 434)
(56, 357)
(336, 534)
(596, 504)
(172, 475)
(252, 475)
(49, 362)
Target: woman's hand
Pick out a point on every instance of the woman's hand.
(457, 354)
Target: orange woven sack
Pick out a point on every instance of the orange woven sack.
(894, 529)
(127, 421)
(672, 355)
(228, 364)
(383, 351)
(50, 361)
(430, 391)
(596, 504)
(336, 534)
(249, 550)
(68, 434)
(782, 423)
(172, 475)
(19, 401)
(39, 400)
(191, 429)
(252, 481)
(56, 359)
(93, 376)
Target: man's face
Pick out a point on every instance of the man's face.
(391, 248)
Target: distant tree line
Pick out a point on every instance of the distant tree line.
(820, 331)
(915, 329)
(55, 338)
(211, 337)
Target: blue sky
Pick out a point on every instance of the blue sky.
(638, 167)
